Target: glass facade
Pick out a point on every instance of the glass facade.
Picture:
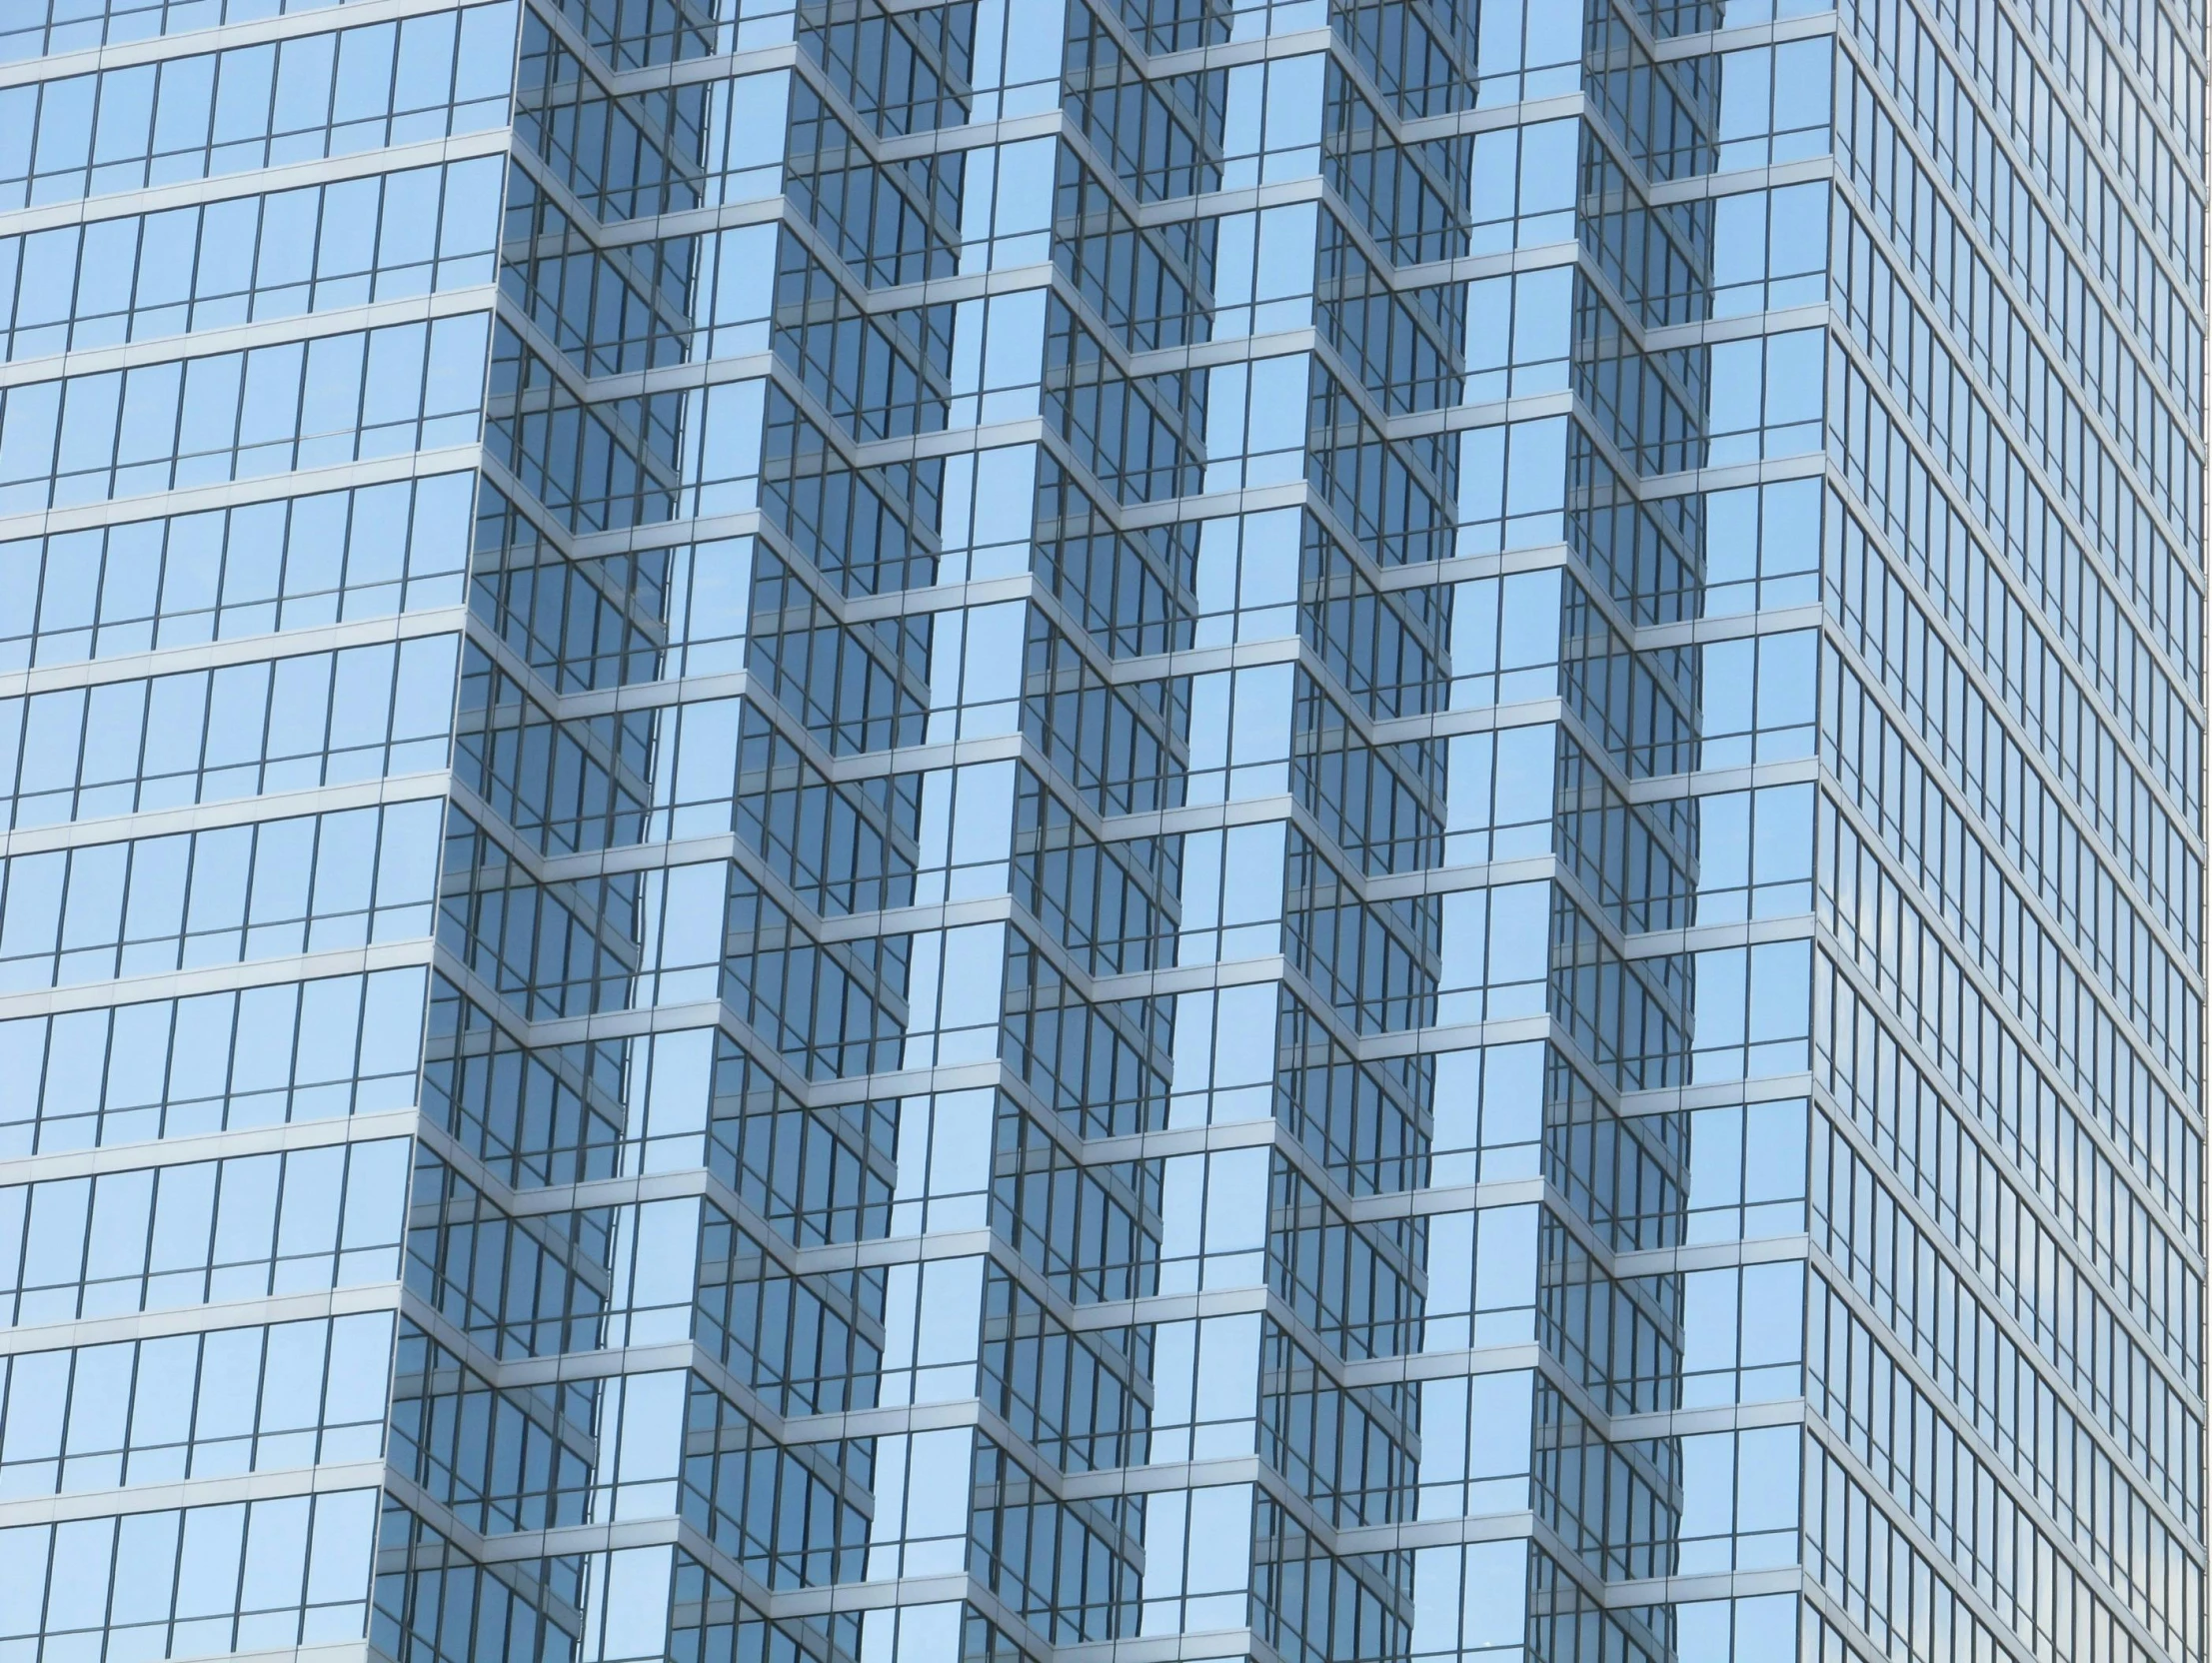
(966, 830)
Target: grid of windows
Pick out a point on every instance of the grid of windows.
(47, 27)
(272, 408)
(208, 114)
(314, 248)
(1342, 829)
(157, 1411)
(184, 1067)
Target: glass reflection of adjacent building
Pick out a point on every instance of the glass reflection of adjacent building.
(1101, 830)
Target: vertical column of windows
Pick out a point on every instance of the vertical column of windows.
(548, 912)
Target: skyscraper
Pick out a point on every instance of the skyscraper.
(966, 830)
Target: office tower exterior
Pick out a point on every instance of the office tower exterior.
(867, 831)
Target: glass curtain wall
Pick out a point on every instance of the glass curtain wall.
(1322, 831)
